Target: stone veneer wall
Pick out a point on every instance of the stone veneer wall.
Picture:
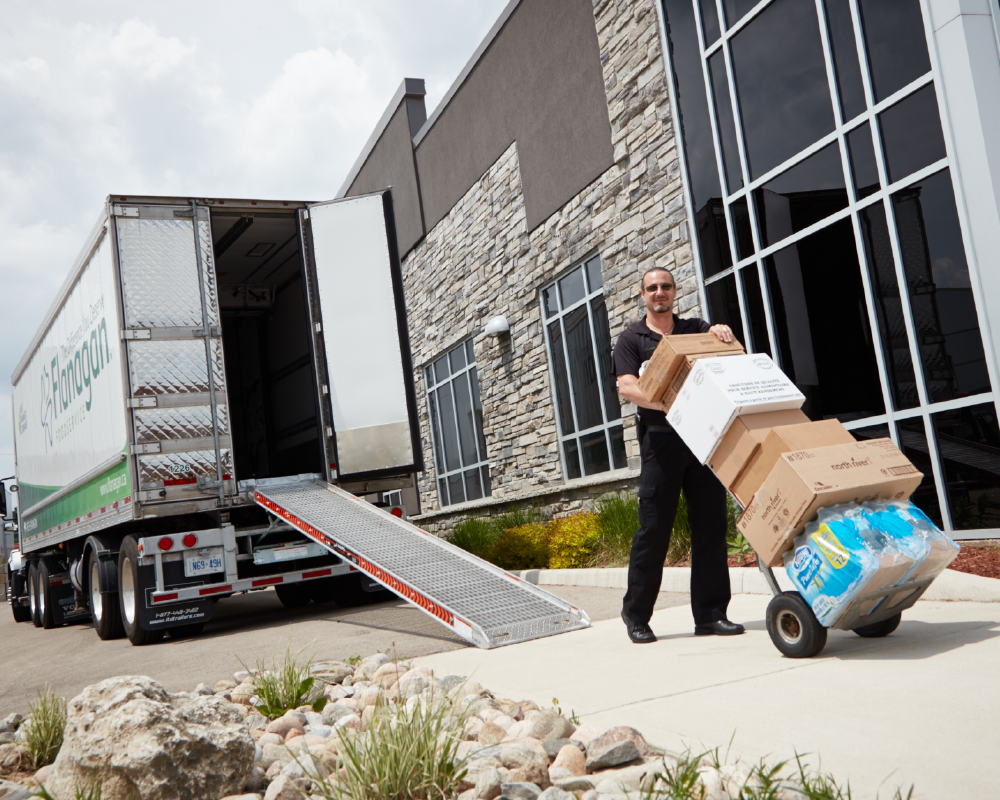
(481, 260)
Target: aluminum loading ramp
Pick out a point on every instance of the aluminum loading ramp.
(477, 600)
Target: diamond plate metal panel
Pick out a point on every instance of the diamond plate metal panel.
(174, 367)
(190, 422)
(208, 271)
(473, 590)
(174, 466)
(159, 279)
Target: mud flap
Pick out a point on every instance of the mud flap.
(161, 616)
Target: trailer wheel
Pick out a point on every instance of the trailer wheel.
(793, 627)
(104, 611)
(129, 595)
(879, 629)
(46, 611)
(36, 617)
(22, 613)
(293, 595)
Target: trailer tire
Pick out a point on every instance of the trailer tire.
(129, 595)
(294, 595)
(104, 609)
(46, 611)
(879, 629)
(22, 613)
(36, 617)
(793, 627)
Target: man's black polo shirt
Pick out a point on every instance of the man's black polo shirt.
(635, 347)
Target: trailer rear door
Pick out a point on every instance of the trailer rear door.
(362, 343)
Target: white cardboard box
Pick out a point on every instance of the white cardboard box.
(718, 390)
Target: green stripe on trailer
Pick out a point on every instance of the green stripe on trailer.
(111, 485)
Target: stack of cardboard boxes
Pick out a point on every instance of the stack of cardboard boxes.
(741, 415)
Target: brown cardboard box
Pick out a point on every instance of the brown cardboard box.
(804, 481)
(669, 354)
(784, 439)
(687, 362)
(742, 439)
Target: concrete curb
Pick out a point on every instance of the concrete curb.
(951, 585)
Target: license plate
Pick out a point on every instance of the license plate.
(203, 565)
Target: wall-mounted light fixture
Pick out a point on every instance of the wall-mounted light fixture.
(497, 326)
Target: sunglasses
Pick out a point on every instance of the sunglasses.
(666, 287)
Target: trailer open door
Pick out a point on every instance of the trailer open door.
(362, 347)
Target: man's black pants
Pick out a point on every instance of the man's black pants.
(667, 467)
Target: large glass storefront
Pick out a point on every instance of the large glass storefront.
(828, 230)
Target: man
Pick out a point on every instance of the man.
(667, 467)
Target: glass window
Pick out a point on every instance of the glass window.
(727, 124)
(808, 192)
(911, 134)
(736, 10)
(969, 444)
(888, 308)
(781, 83)
(714, 238)
(913, 443)
(587, 403)
(821, 324)
(709, 21)
(753, 300)
(741, 225)
(845, 58)
(937, 276)
(724, 305)
(456, 420)
(863, 167)
(896, 43)
(871, 432)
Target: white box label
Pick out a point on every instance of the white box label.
(288, 553)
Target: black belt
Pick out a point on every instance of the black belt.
(660, 428)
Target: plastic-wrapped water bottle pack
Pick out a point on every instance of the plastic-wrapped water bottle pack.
(852, 550)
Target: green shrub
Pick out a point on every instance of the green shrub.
(523, 547)
(475, 535)
(282, 688)
(44, 730)
(572, 540)
(618, 520)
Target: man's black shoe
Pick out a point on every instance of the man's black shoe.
(638, 632)
(721, 627)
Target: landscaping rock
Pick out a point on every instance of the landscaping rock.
(332, 671)
(712, 784)
(203, 688)
(42, 775)
(270, 738)
(10, 723)
(281, 788)
(620, 734)
(572, 758)
(488, 784)
(283, 726)
(629, 779)
(585, 733)
(224, 686)
(555, 793)
(134, 737)
(548, 725)
(12, 756)
(255, 722)
(369, 666)
(248, 796)
(491, 734)
(388, 674)
(575, 784)
(612, 755)
(450, 682)
(274, 753)
(520, 790)
(527, 761)
(335, 712)
(476, 705)
(553, 746)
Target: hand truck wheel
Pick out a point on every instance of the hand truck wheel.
(879, 629)
(793, 627)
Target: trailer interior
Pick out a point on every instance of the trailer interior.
(275, 423)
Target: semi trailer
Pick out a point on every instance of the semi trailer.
(216, 385)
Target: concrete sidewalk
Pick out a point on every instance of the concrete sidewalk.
(918, 707)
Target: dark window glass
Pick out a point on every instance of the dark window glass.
(727, 124)
(911, 134)
(571, 288)
(937, 276)
(449, 433)
(741, 227)
(595, 453)
(896, 44)
(572, 459)
(863, 167)
(466, 421)
(845, 58)
(456, 491)
(477, 406)
(484, 472)
(913, 443)
(808, 192)
(583, 374)
(888, 308)
(618, 447)
(457, 359)
(969, 445)
(436, 427)
(736, 10)
(724, 305)
(753, 300)
(709, 21)
(470, 352)
(549, 301)
(443, 492)
(562, 381)
(473, 489)
(441, 370)
(781, 83)
(602, 332)
(594, 279)
(821, 324)
(429, 375)
(871, 432)
(714, 238)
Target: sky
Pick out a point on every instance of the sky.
(232, 98)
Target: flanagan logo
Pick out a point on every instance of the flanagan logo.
(22, 420)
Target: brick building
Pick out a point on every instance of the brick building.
(820, 176)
